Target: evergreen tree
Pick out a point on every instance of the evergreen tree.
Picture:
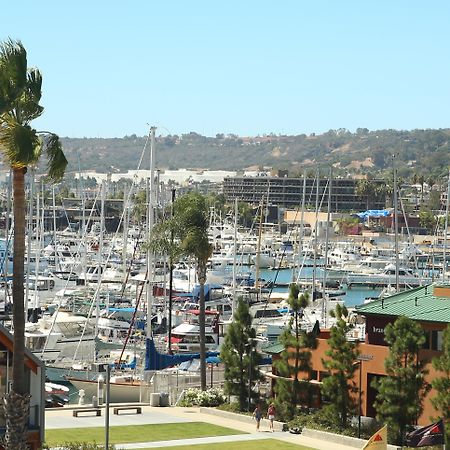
(338, 387)
(240, 357)
(294, 366)
(399, 401)
(442, 383)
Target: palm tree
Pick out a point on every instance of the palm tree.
(22, 146)
(365, 190)
(186, 234)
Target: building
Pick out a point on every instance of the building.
(288, 192)
(429, 305)
(35, 373)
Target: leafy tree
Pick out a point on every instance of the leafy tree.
(399, 401)
(346, 224)
(427, 219)
(22, 147)
(186, 234)
(291, 390)
(240, 357)
(338, 387)
(442, 384)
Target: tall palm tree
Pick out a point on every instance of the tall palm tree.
(22, 146)
(186, 234)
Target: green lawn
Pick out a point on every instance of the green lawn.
(263, 444)
(137, 433)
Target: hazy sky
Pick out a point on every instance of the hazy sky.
(236, 66)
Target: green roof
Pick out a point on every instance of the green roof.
(273, 349)
(417, 304)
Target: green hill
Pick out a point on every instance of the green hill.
(418, 151)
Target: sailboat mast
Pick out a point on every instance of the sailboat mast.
(397, 283)
(150, 222)
(444, 262)
(315, 239)
(233, 305)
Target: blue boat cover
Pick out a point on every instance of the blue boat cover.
(374, 213)
(158, 361)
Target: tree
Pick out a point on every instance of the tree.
(428, 220)
(292, 389)
(338, 387)
(365, 190)
(399, 401)
(442, 384)
(22, 147)
(240, 357)
(186, 234)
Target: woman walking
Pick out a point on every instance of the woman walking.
(271, 415)
(257, 415)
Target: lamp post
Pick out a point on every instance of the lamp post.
(250, 354)
(360, 359)
(360, 398)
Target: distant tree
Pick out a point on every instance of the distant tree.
(365, 190)
(442, 383)
(428, 220)
(342, 355)
(240, 357)
(399, 401)
(346, 224)
(294, 366)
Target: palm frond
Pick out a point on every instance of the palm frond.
(20, 144)
(57, 161)
(13, 73)
(27, 107)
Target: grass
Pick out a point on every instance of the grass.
(137, 433)
(263, 444)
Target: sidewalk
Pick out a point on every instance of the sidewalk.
(62, 418)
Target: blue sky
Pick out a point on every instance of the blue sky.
(236, 66)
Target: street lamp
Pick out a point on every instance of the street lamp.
(360, 359)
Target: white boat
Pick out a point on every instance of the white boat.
(62, 336)
(186, 336)
(124, 388)
(406, 277)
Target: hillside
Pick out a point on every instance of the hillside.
(422, 151)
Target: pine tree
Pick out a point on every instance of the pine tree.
(442, 383)
(295, 361)
(241, 358)
(399, 401)
(338, 387)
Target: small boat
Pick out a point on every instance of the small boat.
(124, 388)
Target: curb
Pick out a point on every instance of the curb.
(277, 426)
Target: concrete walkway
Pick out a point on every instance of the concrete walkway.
(62, 418)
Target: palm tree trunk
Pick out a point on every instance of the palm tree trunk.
(17, 401)
(201, 324)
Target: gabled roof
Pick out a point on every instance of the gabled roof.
(273, 349)
(31, 360)
(430, 303)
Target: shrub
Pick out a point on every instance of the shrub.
(197, 397)
(78, 446)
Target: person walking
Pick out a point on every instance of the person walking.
(271, 415)
(257, 415)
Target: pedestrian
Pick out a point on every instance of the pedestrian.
(257, 415)
(271, 415)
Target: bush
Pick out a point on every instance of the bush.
(78, 446)
(322, 420)
(197, 397)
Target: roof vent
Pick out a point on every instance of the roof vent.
(441, 291)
